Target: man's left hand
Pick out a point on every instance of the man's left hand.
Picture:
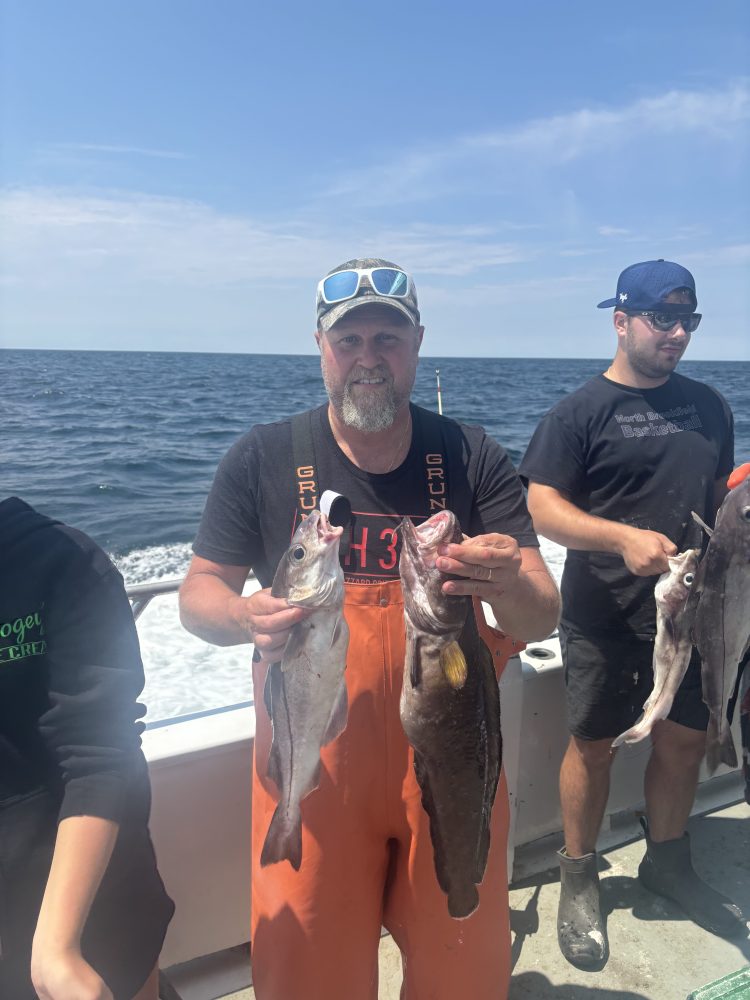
(489, 565)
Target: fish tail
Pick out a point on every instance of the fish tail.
(719, 747)
(284, 839)
(462, 901)
(713, 757)
(728, 753)
(635, 734)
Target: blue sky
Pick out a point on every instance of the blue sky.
(178, 175)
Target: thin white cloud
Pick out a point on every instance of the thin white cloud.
(503, 291)
(735, 253)
(715, 113)
(507, 155)
(612, 231)
(53, 236)
(580, 251)
(115, 150)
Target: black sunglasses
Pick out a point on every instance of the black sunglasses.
(666, 321)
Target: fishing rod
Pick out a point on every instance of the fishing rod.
(439, 394)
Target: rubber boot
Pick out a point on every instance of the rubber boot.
(581, 932)
(667, 870)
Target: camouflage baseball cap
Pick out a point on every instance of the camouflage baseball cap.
(389, 285)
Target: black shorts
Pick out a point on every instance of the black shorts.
(608, 679)
(125, 930)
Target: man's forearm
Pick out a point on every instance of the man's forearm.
(568, 525)
(644, 552)
(531, 610)
(209, 608)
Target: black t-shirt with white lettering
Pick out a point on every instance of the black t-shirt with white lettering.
(644, 457)
(261, 489)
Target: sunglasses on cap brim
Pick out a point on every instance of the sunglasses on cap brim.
(342, 285)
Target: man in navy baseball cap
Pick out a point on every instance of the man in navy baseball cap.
(647, 286)
(614, 471)
(654, 317)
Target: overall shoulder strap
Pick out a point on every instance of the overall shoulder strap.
(303, 453)
(442, 450)
(443, 442)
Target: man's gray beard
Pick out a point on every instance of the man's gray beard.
(369, 414)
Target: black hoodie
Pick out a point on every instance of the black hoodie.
(70, 672)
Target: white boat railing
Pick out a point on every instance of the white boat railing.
(141, 594)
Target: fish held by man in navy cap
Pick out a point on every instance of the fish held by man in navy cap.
(719, 612)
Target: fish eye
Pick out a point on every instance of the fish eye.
(688, 579)
(298, 553)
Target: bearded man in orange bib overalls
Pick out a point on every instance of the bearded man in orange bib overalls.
(367, 858)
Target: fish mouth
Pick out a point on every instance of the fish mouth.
(439, 528)
(422, 541)
(327, 533)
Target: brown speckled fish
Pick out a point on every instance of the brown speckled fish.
(450, 711)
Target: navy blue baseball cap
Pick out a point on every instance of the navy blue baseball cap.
(644, 287)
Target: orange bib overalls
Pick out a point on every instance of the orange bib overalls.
(366, 851)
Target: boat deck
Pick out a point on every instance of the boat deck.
(656, 953)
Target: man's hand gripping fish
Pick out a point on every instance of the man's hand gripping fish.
(450, 711)
(305, 694)
(673, 644)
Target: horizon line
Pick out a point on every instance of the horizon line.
(312, 354)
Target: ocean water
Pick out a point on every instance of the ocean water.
(124, 446)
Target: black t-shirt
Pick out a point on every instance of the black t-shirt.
(70, 672)
(644, 457)
(254, 504)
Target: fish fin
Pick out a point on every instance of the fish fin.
(669, 628)
(284, 840)
(272, 695)
(699, 520)
(294, 649)
(491, 778)
(428, 804)
(413, 659)
(268, 691)
(338, 717)
(453, 663)
(338, 631)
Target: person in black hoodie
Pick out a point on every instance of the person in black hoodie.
(83, 910)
